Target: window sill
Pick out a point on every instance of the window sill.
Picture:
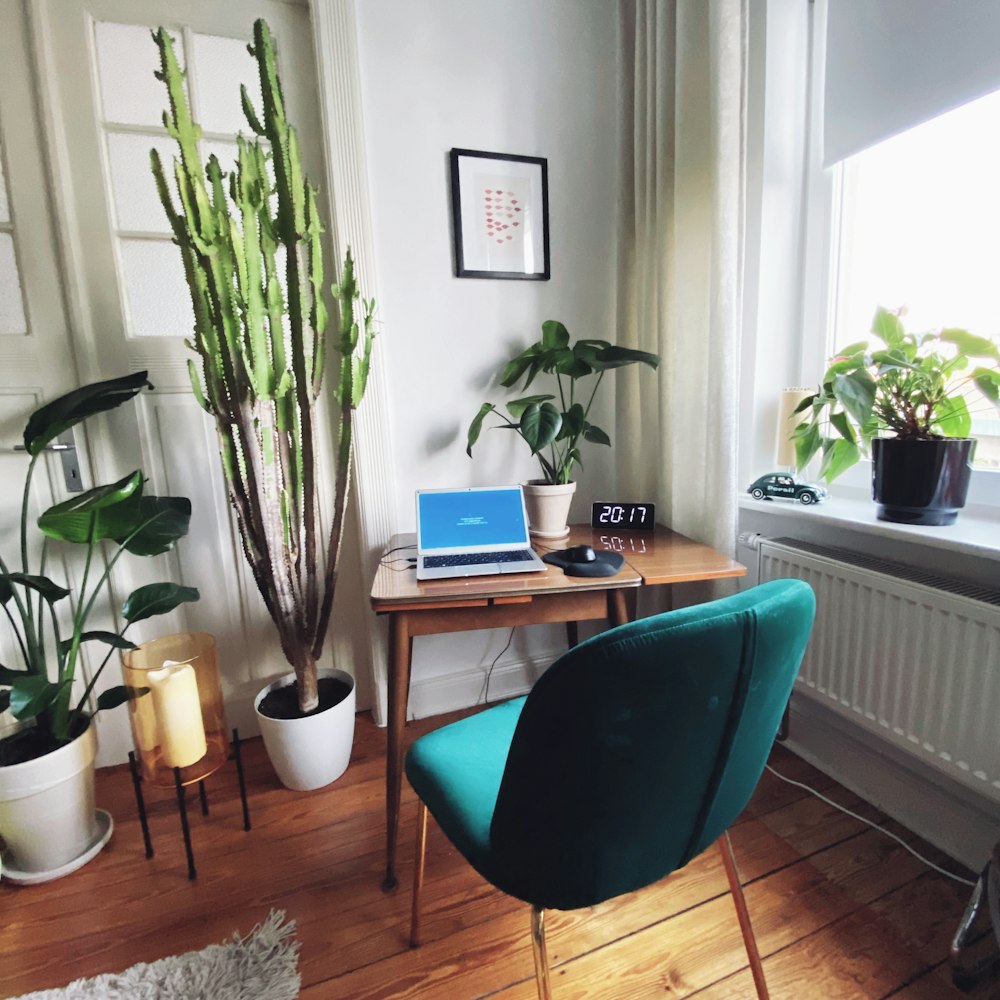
(975, 533)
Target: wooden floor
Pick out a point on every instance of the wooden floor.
(840, 910)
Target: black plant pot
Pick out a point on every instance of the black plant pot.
(921, 482)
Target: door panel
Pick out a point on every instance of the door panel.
(96, 59)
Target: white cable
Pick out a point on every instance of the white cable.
(874, 826)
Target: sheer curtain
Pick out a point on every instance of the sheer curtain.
(680, 259)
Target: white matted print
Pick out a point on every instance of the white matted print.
(500, 205)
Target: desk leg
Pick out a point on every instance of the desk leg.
(572, 634)
(400, 647)
(617, 608)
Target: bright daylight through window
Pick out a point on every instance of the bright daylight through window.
(920, 229)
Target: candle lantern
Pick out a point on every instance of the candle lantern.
(179, 721)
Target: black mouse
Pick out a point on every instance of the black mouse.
(580, 554)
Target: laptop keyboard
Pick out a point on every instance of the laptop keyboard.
(476, 558)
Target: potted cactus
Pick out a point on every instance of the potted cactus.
(253, 257)
(48, 820)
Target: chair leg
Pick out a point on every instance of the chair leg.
(746, 928)
(418, 873)
(541, 953)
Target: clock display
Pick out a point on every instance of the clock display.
(623, 516)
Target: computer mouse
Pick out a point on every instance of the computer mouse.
(580, 554)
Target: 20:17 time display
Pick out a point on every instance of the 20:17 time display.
(624, 516)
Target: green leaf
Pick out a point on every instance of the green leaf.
(476, 427)
(970, 344)
(952, 417)
(111, 638)
(593, 433)
(573, 422)
(163, 521)
(843, 425)
(554, 334)
(987, 381)
(618, 357)
(516, 367)
(855, 391)
(112, 698)
(156, 599)
(539, 425)
(517, 406)
(568, 364)
(30, 696)
(807, 443)
(70, 521)
(838, 456)
(887, 326)
(48, 422)
(6, 590)
(51, 591)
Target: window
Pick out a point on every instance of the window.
(920, 228)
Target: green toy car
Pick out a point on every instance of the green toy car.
(781, 484)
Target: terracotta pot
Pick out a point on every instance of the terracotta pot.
(311, 752)
(921, 482)
(548, 506)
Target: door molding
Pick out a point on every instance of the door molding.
(335, 39)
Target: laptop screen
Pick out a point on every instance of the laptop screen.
(472, 518)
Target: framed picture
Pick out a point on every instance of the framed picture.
(500, 209)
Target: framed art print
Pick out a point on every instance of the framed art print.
(500, 209)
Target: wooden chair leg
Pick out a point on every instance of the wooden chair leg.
(541, 953)
(418, 873)
(746, 928)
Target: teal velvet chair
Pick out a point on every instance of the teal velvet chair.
(633, 753)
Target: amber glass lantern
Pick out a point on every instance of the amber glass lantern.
(179, 722)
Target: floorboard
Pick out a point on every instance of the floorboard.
(840, 910)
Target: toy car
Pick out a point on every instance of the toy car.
(781, 484)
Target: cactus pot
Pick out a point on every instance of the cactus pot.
(314, 750)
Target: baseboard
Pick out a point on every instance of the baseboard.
(954, 818)
(465, 688)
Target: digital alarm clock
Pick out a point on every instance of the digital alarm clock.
(623, 516)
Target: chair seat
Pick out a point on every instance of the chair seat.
(456, 771)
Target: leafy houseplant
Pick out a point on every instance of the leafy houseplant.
(913, 387)
(120, 513)
(558, 421)
(253, 258)
(907, 401)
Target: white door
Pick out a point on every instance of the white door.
(95, 66)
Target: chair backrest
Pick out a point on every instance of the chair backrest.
(638, 748)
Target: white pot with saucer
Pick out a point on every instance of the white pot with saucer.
(548, 506)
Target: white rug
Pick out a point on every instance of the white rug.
(262, 966)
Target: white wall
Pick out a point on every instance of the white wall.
(532, 77)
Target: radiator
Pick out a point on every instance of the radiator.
(909, 655)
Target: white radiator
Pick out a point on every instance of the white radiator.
(909, 655)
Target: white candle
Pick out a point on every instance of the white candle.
(174, 690)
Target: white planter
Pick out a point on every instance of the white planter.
(548, 506)
(309, 753)
(47, 815)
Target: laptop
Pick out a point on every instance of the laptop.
(478, 531)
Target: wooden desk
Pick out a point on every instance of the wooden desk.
(439, 606)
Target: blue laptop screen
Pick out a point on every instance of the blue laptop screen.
(467, 518)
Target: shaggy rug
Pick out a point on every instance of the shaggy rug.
(262, 966)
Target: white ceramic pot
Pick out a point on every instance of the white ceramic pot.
(47, 813)
(309, 753)
(548, 506)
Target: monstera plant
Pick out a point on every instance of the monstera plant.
(251, 242)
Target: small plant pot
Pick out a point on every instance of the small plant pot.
(312, 751)
(921, 482)
(47, 815)
(548, 506)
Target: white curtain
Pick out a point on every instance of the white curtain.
(680, 259)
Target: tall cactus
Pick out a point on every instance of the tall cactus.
(253, 259)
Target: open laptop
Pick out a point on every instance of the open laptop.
(479, 531)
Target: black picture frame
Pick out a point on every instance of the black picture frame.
(500, 215)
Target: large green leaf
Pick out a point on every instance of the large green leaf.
(517, 406)
(970, 344)
(843, 426)
(617, 357)
(162, 521)
(113, 509)
(554, 334)
(807, 440)
(156, 599)
(839, 454)
(516, 367)
(987, 381)
(594, 434)
(29, 696)
(540, 425)
(476, 427)
(888, 326)
(573, 421)
(112, 698)
(856, 393)
(50, 590)
(952, 417)
(111, 638)
(48, 422)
